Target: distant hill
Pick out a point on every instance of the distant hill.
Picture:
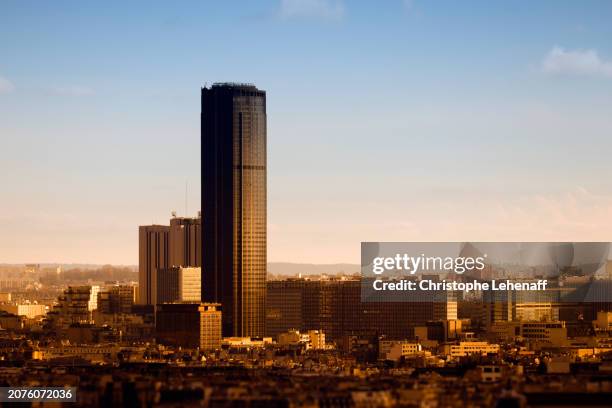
(288, 268)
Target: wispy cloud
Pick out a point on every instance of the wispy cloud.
(72, 90)
(322, 9)
(576, 62)
(6, 86)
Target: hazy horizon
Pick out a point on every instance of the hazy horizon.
(274, 268)
(402, 121)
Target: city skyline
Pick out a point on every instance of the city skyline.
(306, 203)
(116, 132)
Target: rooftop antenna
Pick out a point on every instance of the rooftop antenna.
(186, 189)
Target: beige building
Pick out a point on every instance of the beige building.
(603, 322)
(28, 310)
(466, 348)
(210, 326)
(312, 339)
(246, 342)
(394, 350)
(535, 311)
(93, 298)
(189, 285)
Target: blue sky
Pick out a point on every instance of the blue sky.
(395, 120)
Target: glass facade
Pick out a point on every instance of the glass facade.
(234, 205)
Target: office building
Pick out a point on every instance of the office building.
(210, 326)
(162, 247)
(168, 285)
(189, 325)
(185, 243)
(466, 348)
(549, 333)
(234, 205)
(284, 306)
(335, 306)
(189, 284)
(73, 308)
(179, 284)
(153, 256)
(29, 310)
(117, 299)
(394, 350)
(439, 331)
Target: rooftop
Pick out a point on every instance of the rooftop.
(233, 85)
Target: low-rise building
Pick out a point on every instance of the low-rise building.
(10, 321)
(96, 353)
(466, 348)
(246, 342)
(394, 350)
(490, 373)
(189, 325)
(603, 323)
(313, 339)
(553, 333)
(29, 310)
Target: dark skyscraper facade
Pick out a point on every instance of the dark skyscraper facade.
(234, 205)
(153, 258)
(185, 241)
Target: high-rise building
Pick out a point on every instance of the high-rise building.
(163, 247)
(153, 256)
(185, 241)
(234, 205)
